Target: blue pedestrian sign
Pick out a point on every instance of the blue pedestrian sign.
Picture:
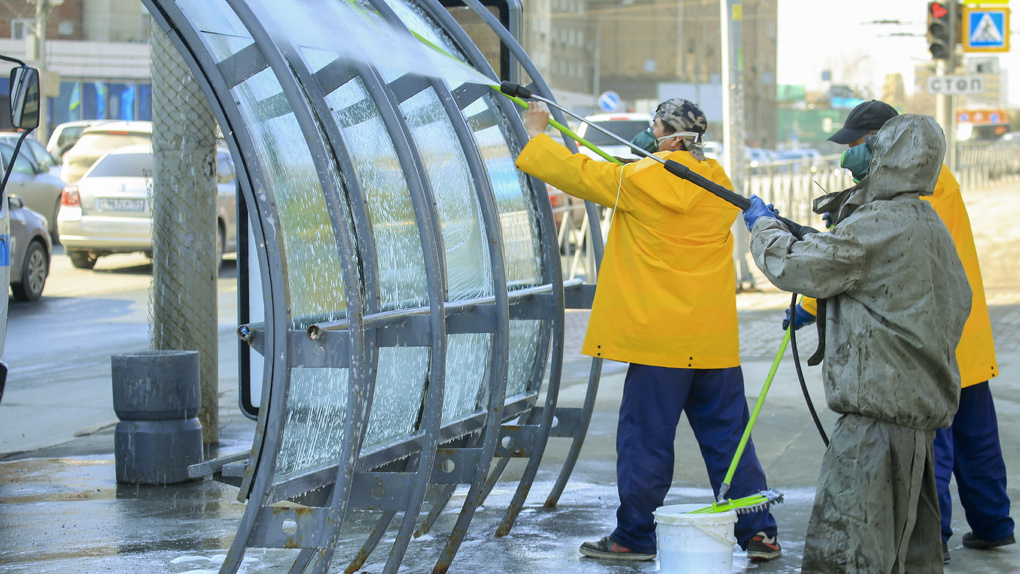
(609, 101)
(985, 29)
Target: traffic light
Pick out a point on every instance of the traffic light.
(940, 33)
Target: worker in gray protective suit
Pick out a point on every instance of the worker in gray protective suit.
(896, 301)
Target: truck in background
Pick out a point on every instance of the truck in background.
(23, 103)
(981, 124)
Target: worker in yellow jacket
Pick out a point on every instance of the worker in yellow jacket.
(665, 303)
(970, 448)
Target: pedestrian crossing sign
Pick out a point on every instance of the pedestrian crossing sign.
(985, 29)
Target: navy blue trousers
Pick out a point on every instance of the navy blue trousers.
(653, 399)
(969, 450)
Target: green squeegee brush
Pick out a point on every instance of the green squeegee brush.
(744, 505)
(765, 498)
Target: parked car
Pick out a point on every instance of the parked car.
(66, 135)
(34, 184)
(803, 159)
(624, 125)
(713, 150)
(32, 147)
(107, 211)
(30, 251)
(99, 139)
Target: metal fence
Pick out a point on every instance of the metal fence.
(790, 185)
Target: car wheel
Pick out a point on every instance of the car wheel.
(82, 259)
(33, 274)
(221, 246)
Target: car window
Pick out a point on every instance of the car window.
(224, 168)
(21, 165)
(625, 129)
(42, 157)
(69, 135)
(98, 144)
(123, 165)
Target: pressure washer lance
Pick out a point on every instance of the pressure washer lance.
(674, 167)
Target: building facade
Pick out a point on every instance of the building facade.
(96, 63)
(638, 47)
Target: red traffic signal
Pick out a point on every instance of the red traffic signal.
(940, 33)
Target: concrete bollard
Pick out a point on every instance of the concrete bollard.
(156, 395)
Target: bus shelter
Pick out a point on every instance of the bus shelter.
(410, 275)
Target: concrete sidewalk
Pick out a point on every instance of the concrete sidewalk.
(62, 511)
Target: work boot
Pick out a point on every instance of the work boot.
(762, 547)
(607, 548)
(971, 541)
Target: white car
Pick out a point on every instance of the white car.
(66, 135)
(108, 210)
(99, 139)
(624, 125)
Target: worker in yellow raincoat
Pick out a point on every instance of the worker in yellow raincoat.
(665, 303)
(969, 448)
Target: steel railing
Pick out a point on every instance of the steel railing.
(790, 185)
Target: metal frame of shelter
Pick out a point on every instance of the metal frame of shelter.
(347, 322)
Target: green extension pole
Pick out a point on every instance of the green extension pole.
(564, 129)
(761, 500)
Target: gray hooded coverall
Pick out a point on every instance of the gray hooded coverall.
(896, 302)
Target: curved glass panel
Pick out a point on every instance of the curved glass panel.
(222, 31)
(313, 275)
(522, 253)
(525, 336)
(469, 274)
(401, 261)
(467, 359)
(399, 392)
(317, 401)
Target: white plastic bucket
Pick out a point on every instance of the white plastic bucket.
(694, 543)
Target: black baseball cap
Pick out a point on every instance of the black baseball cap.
(866, 117)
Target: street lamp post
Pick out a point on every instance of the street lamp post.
(42, 8)
(597, 73)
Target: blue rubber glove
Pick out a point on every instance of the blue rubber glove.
(802, 318)
(827, 218)
(758, 209)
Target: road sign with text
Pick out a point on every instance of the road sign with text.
(952, 85)
(985, 29)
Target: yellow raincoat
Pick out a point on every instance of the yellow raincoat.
(665, 293)
(976, 351)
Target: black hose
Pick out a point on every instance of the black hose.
(800, 373)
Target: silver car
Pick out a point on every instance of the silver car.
(108, 210)
(34, 184)
(30, 251)
(36, 150)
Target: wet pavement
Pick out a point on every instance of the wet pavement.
(61, 510)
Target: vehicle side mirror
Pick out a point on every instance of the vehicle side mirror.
(15, 202)
(25, 98)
